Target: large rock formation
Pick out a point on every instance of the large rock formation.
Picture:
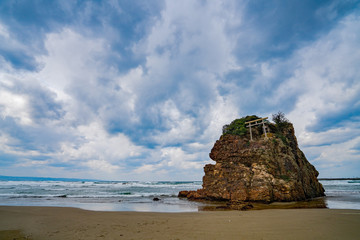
(263, 170)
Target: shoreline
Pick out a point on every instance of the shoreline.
(168, 205)
(72, 223)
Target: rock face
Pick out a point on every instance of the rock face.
(263, 170)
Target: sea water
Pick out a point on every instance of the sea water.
(100, 195)
(342, 194)
(135, 195)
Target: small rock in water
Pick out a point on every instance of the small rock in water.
(156, 199)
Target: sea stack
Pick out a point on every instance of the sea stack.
(263, 164)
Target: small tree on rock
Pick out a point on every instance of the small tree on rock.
(280, 120)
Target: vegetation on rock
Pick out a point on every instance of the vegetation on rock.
(237, 127)
(281, 122)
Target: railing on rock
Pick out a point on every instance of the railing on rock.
(255, 123)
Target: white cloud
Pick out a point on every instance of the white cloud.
(9, 43)
(326, 76)
(32, 163)
(101, 165)
(71, 59)
(179, 127)
(3, 31)
(172, 163)
(336, 159)
(15, 106)
(146, 168)
(187, 46)
(128, 84)
(193, 33)
(221, 111)
(327, 73)
(335, 135)
(75, 68)
(97, 144)
(178, 158)
(187, 51)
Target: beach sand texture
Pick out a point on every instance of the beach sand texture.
(71, 223)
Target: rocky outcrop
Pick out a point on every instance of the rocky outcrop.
(262, 170)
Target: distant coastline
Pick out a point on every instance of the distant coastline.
(357, 178)
(12, 178)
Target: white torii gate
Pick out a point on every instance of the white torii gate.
(255, 123)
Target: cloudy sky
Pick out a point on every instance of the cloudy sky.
(140, 90)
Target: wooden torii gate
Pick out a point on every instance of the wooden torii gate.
(255, 123)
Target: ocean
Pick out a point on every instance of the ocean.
(342, 194)
(135, 195)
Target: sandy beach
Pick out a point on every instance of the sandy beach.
(71, 223)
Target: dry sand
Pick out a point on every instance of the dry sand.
(70, 223)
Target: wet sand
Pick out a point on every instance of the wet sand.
(71, 223)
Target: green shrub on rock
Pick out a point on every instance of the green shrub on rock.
(237, 127)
